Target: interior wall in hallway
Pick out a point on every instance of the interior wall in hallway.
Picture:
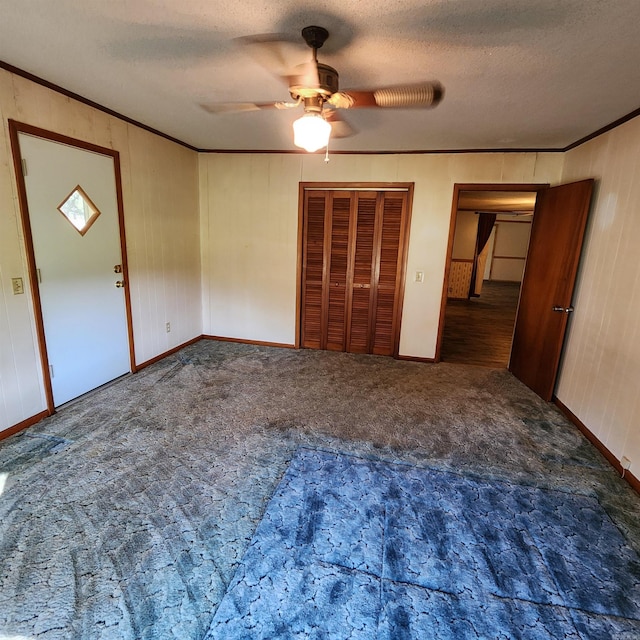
(508, 251)
(600, 372)
(464, 239)
(160, 190)
(249, 230)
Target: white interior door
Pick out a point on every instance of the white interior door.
(84, 313)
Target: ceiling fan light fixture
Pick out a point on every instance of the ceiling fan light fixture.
(311, 132)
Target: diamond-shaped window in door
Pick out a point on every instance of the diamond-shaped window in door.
(78, 209)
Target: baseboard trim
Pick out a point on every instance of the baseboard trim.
(148, 363)
(593, 439)
(25, 424)
(258, 343)
(416, 359)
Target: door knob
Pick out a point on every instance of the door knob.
(120, 284)
(117, 268)
(560, 309)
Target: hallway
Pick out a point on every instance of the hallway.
(479, 331)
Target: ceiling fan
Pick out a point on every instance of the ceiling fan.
(314, 86)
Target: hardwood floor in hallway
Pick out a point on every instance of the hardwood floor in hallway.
(479, 331)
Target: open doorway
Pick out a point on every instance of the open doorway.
(491, 228)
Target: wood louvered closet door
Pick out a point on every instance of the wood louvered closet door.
(354, 244)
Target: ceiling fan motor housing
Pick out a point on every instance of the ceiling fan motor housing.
(327, 84)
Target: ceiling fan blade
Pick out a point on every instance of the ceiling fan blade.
(410, 96)
(339, 128)
(288, 60)
(241, 107)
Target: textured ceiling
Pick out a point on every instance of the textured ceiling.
(517, 73)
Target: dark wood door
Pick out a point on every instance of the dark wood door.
(363, 282)
(388, 273)
(547, 288)
(313, 322)
(339, 213)
(354, 245)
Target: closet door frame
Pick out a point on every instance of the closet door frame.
(407, 187)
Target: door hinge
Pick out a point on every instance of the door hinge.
(25, 173)
(51, 370)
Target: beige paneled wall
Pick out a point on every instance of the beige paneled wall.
(249, 224)
(249, 217)
(600, 375)
(163, 242)
(160, 189)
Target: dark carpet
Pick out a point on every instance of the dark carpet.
(129, 512)
(355, 548)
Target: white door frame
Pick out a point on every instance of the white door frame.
(15, 128)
